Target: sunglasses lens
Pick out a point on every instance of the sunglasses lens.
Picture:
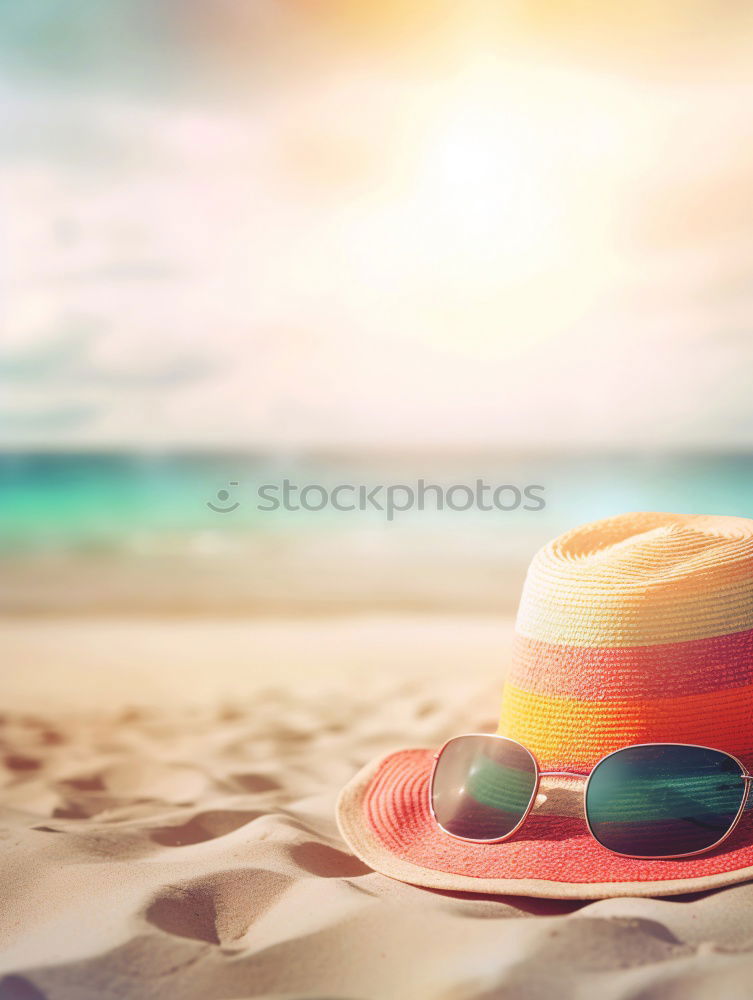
(482, 787)
(662, 800)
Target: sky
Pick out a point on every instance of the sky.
(276, 225)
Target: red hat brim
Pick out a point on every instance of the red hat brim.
(384, 815)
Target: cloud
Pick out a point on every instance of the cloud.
(56, 418)
(48, 360)
(58, 388)
(65, 361)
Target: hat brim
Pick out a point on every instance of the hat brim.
(383, 815)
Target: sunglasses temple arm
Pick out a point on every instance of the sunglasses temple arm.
(579, 774)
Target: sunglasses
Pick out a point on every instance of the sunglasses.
(652, 800)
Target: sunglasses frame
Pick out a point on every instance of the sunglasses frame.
(745, 776)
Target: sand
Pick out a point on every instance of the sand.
(187, 848)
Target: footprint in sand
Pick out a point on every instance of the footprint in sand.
(327, 862)
(255, 782)
(202, 827)
(20, 762)
(18, 988)
(218, 909)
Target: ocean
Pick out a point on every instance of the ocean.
(135, 532)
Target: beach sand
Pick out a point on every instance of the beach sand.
(167, 827)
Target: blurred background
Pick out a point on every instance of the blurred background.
(249, 240)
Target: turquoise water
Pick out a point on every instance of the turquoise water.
(107, 502)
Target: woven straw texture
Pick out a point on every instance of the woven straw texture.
(633, 629)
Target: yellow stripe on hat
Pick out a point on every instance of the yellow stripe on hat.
(641, 579)
(565, 732)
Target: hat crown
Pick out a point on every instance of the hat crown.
(635, 629)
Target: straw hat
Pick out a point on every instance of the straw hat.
(633, 629)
